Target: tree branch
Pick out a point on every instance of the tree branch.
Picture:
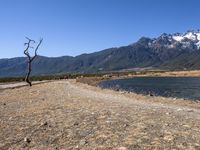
(30, 59)
(36, 49)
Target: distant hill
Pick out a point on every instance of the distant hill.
(168, 51)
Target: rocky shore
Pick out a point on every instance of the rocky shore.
(71, 115)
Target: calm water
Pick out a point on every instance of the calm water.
(180, 87)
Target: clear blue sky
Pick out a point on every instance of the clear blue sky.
(72, 27)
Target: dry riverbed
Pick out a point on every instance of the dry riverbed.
(70, 115)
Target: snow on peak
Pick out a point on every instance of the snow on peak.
(193, 36)
(178, 38)
(189, 39)
(190, 36)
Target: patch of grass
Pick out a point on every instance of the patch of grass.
(74, 76)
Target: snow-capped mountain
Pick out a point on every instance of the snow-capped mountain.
(168, 51)
(189, 39)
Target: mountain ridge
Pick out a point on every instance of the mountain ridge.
(168, 51)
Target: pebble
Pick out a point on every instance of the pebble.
(122, 148)
(44, 124)
(125, 125)
(190, 111)
(83, 142)
(76, 124)
(167, 113)
(186, 126)
(167, 124)
(150, 94)
(168, 138)
(84, 133)
(27, 140)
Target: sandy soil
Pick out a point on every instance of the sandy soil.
(69, 115)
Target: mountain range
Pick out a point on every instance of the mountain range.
(168, 51)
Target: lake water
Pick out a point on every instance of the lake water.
(180, 87)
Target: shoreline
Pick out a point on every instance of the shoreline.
(94, 81)
(147, 98)
(110, 76)
(67, 114)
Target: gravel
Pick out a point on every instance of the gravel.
(69, 115)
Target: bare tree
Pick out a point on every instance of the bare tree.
(30, 58)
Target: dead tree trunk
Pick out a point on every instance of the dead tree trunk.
(30, 59)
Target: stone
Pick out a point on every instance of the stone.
(76, 123)
(122, 148)
(167, 124)
(83, 142)
(125, 125)
(45, 124)
(117, 89)
(150, 94)
(27, 140)
(168, 138)
(190, 110)
(84, 133)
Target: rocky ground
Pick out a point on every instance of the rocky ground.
(17, 84)
(70, 115)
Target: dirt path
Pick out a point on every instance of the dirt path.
(18, 84)
(70, 115)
